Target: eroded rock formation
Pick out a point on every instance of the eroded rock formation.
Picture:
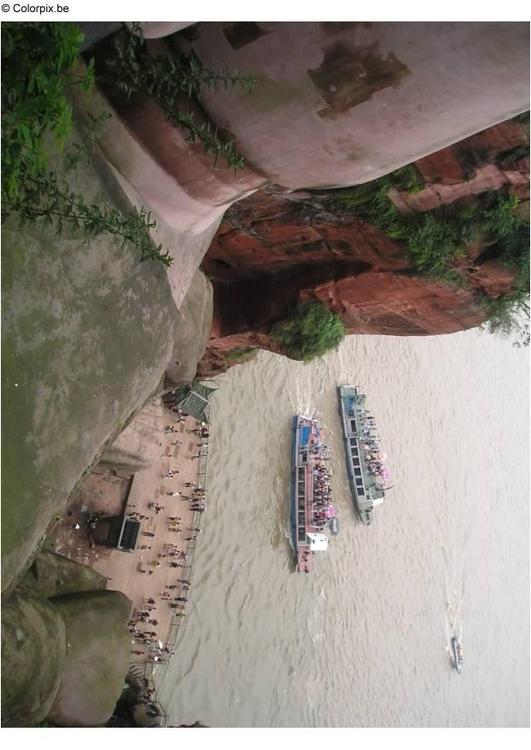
(65, 646)
(275, 249)
(345, 103)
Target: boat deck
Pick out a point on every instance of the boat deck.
(364, 490)
(306, 436)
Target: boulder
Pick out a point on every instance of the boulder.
(55, 575)
(33, 656)
(97, 658)
(87, 332)
(193, 330)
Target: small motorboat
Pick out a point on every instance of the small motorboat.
(457, 653)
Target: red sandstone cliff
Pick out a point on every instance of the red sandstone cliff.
(274, 249)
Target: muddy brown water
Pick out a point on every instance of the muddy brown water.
(364, 639)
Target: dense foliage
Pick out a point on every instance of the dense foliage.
(36, 63)
(165, 78)
(434, 240)
(37, 60)
(37, 74)
(309, 332)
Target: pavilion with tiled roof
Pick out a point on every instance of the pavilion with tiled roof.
(193, 400)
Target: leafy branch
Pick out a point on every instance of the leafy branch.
(165, 78)
(50, 199)
(435, 240)
(37, 59)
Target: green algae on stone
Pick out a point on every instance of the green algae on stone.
(97, 657)
(33, 657)
(52, 575)
(87, 333)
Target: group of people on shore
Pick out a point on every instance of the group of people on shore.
(143, 624)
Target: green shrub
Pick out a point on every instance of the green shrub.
(433, 240)
(241, 356)
(407, 179)
(309, 332)
(502, 224)
(508, 315)
(37, 61)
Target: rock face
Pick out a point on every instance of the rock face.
(275, 249)
(65, 646)
(194, 321)
(33, 657)
(338, 104)
(97, 658)
(52, 575)
(335, 104)
(88, 332)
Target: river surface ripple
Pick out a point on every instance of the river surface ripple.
(363, 640)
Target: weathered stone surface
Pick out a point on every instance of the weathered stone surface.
(87, 333)
(156, 161)
(54, 575)
(97, 657)
(33, 656)
(262, 268)
(118, 457)
(194, 321)
(275, 249)
(339, 104)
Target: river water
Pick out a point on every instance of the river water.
(363, 640)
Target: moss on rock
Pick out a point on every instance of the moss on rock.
(55, 575)
(97, 657)
(33, 656)
(87, 333)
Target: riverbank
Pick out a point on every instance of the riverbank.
(151, 576)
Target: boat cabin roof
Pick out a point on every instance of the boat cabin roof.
(318, 541)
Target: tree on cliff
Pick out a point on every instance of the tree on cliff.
(309, 331)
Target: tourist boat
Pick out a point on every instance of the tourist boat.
(457, 654)
(311, 507)
(368, 476)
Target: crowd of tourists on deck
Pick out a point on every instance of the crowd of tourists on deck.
(374, 455)
(322, 494)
